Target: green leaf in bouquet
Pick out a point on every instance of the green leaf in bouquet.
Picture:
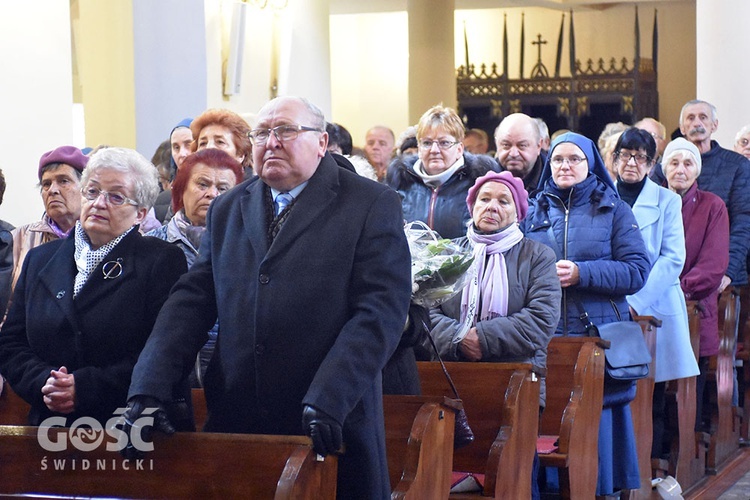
(454, 268)
(439, 246)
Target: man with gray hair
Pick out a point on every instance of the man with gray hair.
(726, 174)
(311, 315)
(519, 146)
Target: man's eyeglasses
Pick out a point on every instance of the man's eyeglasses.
(283, 133)
(557, 161)
(91, 193)
(743, 142)
(427, 144)
(640, 158)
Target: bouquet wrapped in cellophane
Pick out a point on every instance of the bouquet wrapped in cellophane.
(438, 266)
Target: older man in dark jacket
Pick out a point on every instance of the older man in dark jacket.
(726, 174)
(311, 293)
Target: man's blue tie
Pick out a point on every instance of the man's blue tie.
(282, 201)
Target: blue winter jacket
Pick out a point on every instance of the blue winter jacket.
(444, 208)
(600, 234)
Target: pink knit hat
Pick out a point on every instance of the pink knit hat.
(69, 155)
(520, 196)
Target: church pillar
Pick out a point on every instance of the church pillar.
(432, 73)
(304, 55)
(722, 39)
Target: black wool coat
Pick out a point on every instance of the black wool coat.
(310, 318)
(98, 335)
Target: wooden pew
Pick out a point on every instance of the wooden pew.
(725, 420)
(419, 442)
(641, 409)
(184, 465)
(502, 407)
(13, 409)
(419, 445)
(688, 456)
(743, 353)
(575, 390)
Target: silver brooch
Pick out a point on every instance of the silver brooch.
(112, 269)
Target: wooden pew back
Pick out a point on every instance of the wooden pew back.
(575, 390)
(743, 353)
(502, 407)
(688, 464)
(641, 409)
(725, 422)
(419, 445)
(13, 409)
(185, 465)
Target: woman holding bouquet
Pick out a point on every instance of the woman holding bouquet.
(511, 306)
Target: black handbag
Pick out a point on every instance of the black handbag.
(628, 357)
(462, 435)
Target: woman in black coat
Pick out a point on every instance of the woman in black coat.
(84, 306)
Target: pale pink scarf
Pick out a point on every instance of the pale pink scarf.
(491, 272)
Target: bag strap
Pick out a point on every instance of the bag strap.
(584, 316)
(440, 360)
(553, 243)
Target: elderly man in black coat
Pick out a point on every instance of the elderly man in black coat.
(311, 294)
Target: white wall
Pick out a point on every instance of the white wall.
(723, 38)
(36, 98)
(369, 72)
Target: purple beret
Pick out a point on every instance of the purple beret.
(520, 196)
(69, 155)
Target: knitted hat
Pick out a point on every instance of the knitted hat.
(69, 155)
(681, 144)
(520, 196)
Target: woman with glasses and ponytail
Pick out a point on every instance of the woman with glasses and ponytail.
(84, 305)
(433, 184)
(601, 259)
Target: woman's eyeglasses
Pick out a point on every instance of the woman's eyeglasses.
(640, 158)
(557, 161)
(91, 193)
(427, 144)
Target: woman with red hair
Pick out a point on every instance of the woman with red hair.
(225, 130)
(202, 177)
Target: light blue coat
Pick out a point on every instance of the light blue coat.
(659, 215)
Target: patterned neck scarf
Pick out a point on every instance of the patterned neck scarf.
(87, 259)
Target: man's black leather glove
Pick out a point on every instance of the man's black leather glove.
(417, 326)
(139, 407)
(323, 429)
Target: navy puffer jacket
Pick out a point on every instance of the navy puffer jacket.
(444, 208)
(602, 237)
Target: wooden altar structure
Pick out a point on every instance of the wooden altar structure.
(595, 94)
